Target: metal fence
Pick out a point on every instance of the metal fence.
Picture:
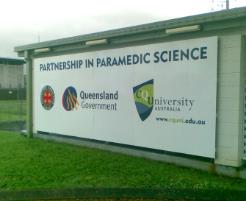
(13, 109)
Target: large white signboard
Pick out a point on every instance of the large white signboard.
(160, 96)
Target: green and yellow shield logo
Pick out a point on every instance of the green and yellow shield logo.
(143, 96)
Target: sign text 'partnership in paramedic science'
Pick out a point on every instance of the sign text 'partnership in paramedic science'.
(128, 60)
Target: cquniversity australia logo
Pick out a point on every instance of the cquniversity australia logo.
(69, 99)
(143, 96)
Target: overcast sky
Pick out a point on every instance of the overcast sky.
(30, 21)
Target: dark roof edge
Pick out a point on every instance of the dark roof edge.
(172, 23)
(11, 61)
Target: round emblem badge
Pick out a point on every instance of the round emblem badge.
(47, 97)
(69, 99)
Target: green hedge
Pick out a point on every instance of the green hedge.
(13, 94)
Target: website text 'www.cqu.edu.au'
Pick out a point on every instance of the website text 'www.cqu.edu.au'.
(181, 120)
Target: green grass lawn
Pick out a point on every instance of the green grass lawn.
(37, 164)
(12, 110)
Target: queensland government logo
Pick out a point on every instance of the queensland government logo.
(47, 97)
(69, 99)
(143, 96)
